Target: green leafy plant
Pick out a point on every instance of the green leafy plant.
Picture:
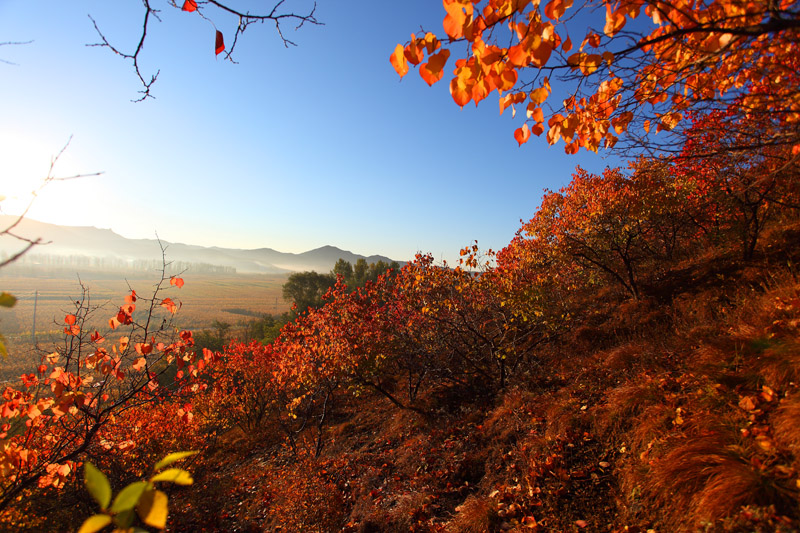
(6, 300)
(140, 497)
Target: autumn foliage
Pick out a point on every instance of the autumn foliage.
(96, 395)
(628, 362)
(630, 67)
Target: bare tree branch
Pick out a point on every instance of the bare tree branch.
(276, 15)
(12, 43)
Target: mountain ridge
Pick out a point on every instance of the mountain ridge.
(93, 242)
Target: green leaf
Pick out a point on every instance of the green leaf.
(124, 520)
(171, 458)
(97, 484)
(152, 508)
(95, 523)
(3, 350)
(7, 300)
(128, 497)
(174, 475)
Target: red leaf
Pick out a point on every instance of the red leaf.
(69, 320)
(220, 44)
(189, 5)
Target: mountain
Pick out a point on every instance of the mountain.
(106, 247)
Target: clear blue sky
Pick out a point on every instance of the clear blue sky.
(290, 149)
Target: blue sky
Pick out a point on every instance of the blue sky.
(290, 149)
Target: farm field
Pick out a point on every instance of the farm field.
(204, 299)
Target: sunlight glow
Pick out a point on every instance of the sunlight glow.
(27, 179)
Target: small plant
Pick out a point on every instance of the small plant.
(142, 496)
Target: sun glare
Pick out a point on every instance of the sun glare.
(25, 166)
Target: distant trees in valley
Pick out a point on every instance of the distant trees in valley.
(306, 289)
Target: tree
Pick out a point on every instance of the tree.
(344, 269)
(671, 58)
(209, 10)
(614, 224)
(306, 289)
(740, 182)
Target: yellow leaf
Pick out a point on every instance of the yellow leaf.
(174, 475)
(152, 509)
(95, 523)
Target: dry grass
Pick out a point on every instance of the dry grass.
(473, 516)
(704, 478)
(204, 300)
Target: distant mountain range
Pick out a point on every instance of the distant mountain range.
(91, 242)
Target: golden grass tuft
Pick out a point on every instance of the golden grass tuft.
(473, 516)
(703, 479)
(786, 425)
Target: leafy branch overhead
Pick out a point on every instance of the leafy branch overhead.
(209, 10)
(629, 68)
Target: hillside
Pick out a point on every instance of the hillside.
(676, 410)
(102, 248)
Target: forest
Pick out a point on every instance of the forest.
(629, 361)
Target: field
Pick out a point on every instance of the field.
(230, 299)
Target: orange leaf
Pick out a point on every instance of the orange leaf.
(538, 96)
(143, 348)
(178, 282)
(69, 320)
(139, 364)
(537, 129)
(432, 71)
(566, 46)
(518, 56)
(414, 53)
(399, 61)
(453, 27)
(615, 21)
(189, 5)
(522, 134)
(460, 95)
(589, 63)
(169, 305)
(592, 39)
(219, 45)
(535, 112)
(541, 52)
(555, 9)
